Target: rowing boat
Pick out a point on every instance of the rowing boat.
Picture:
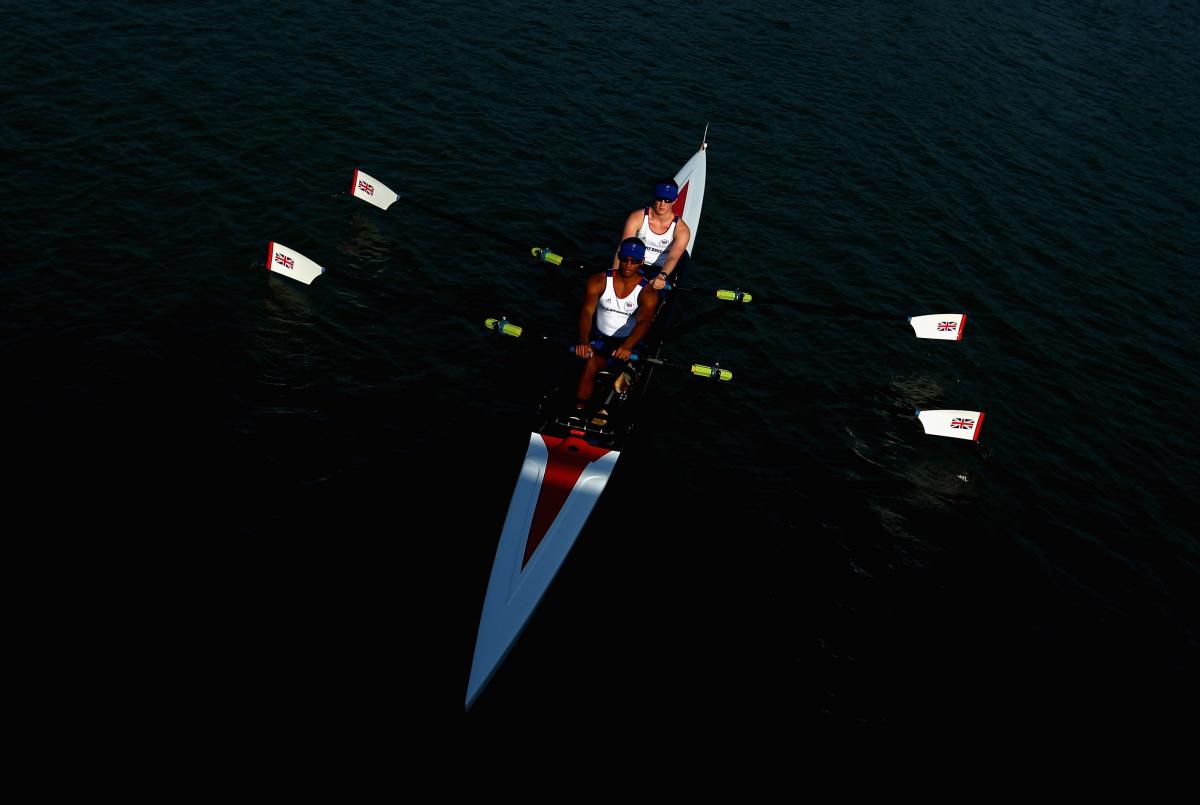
(568, 464)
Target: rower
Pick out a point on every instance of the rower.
(665, 234)
(618, 308)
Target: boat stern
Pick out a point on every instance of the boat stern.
(560, 481)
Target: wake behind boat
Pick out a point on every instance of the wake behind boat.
(566, 468)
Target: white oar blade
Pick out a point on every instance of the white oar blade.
(283, 260)
(372, 191)
(952, 423)
(942, 326)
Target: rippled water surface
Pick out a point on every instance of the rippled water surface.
(300, 488)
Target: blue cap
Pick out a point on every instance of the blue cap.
(667, 190)
(633, 247)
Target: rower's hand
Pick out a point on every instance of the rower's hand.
(659, 282)
(583, 350)
(622, 353)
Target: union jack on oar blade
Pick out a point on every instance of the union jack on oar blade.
(939, 326)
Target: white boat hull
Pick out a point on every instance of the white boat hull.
(559, 484)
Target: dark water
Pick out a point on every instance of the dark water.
(240, 489)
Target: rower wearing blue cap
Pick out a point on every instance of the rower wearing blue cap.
(659, 226)
(633, 248)
(618, 308)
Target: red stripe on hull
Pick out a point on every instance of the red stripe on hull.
(566, 460)
(681, 201)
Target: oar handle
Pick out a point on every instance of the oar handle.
(633, 356)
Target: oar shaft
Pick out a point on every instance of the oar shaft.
(377, 194)
(544, 255)
(464, 222)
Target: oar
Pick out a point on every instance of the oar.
(290, 263)
(938, 326)
(546, 256)
(377, 194)
(817, 307)
(505, 327)
(380, 195)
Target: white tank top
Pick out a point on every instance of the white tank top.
(615, 316)
(656, 244)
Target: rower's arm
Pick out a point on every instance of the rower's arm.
(591, 297)
(683, 234)
(632, 224)
(647, 303)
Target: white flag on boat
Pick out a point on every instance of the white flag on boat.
(953, 423)
(372, 190)
(291, 263)
(943, 326)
